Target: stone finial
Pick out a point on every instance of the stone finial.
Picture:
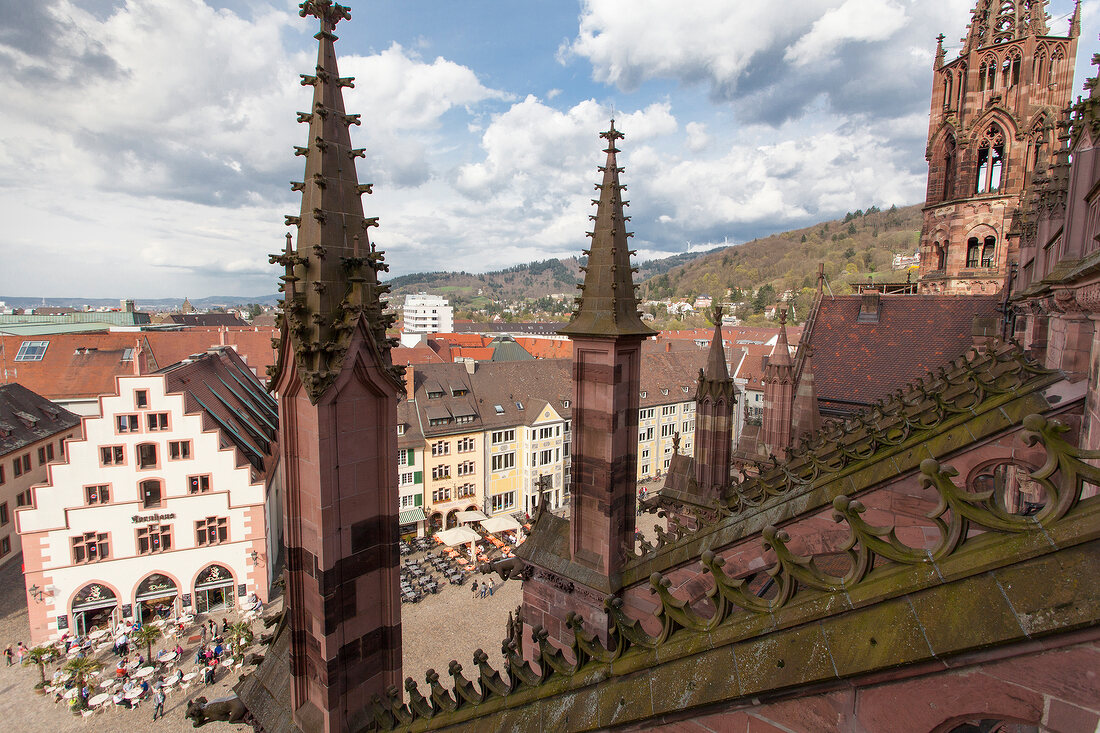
(939, 52)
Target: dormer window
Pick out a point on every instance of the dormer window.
(401, 429)
(565, 404)
(643, 395)
(664, 391)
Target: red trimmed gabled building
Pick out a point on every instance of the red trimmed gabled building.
(168, 503)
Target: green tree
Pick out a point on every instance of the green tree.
(240, 636)
(40, 655)
(147, 635)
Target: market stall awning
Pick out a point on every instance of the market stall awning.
(471, 515)
(500, 524)
(409, 516)
(457, 536)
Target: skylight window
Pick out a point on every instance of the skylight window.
(499, 409)
(519, 405)
(32, 351)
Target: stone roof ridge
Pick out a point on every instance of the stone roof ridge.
(608, 306)
(877, 567)
(922, 406)
(331, 275)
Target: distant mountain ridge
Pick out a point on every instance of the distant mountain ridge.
(861, 243)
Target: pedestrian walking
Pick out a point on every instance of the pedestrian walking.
(158, 698)
(492, 587)
(9, 654)
(202, 640)
(484, 587)
(475, 589)
(21, 652)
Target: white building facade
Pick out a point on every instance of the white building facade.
(425, 313)
(163, 506)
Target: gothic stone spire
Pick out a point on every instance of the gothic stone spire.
(716, 372)
(332, 276)
(996, 22)
(607, 304)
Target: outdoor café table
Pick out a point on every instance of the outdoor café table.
(190, 676)
(97, 634)
(227, 662)
(71, 693)
(144, 672)
(166, 657)
(98, 699)
(134, 694)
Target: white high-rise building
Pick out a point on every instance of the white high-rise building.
(428, 314)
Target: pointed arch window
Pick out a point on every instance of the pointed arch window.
(989, 252)
(991, 156)
(973, 252)
(948, 88)
(1004, 29)
(949, 168)
(1010, 71)
(941, 255)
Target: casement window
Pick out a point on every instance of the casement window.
(179, 450)
(645, 434)
(154, 538)
(90, 547)
(5, 515)
(156, 421)
(111, 455)
(545, 457)
(98, 494)
(441, 495)
(441, 448)
(23, 498)
(21, 465)
(45, 454)
(500, 502)
(466, 468)
(441, 472)
(687, 426)
(464, 491)
(668, 410)
(1, 475)
(545, 433)
(211, 531)
(504, 461)
(141, 398)
(5, 545)
(645, 469)
(465, 445)
(504, 436)
(406, 479)
(667, 430)
(198, 484)
(126, 423)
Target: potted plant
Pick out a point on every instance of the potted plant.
(40, 655)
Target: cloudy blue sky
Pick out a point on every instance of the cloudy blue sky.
(147, 144)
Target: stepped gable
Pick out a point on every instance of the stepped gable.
(747, 647)
(607, 306)
(331, 275)
(984, 392)
(857, 363)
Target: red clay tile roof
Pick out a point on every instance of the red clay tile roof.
(421, 354)
(252, 343)
(26, 417)
(915, 334)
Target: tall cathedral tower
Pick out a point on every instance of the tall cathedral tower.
(338, 393)
(991, 127)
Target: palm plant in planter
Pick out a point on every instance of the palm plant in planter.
(240, 635)
(40, 655)
(147, 636)
(81, 668)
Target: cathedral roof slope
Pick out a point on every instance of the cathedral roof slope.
(856, 364)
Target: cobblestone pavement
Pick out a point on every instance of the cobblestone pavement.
(449, 625)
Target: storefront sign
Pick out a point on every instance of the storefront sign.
(127, 611)
(144, 518)
(242, 590)
(186, 599)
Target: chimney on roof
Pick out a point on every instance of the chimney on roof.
(139, 358)
(471, 366)
(126, 305)
(221, 335)
(870, 306)
(410, 382)
(668, 346)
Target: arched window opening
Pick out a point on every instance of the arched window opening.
(1006, 73)
(941, 256)
(1014, 491)
(973, 252)
(991, 74)
(151, 494)
(947, 89)
(1005, 26)
(989, 248)
(991, 153)
(962, 88)
(949, 168)
(1017, 62)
